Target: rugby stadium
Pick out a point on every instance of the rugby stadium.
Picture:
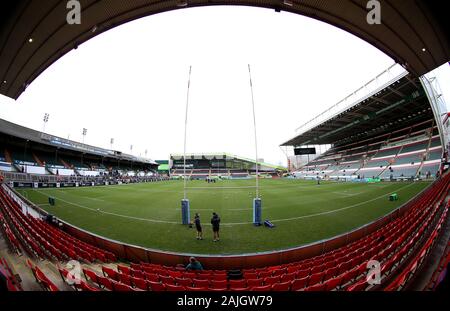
(375, 198)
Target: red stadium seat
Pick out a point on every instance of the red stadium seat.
(175, 274)
(250, 275)
(316, 288)
(135, 266)
(316, 278)
(278, 287)
(139, 283)
(255, 282)
(358, 286)
(272, 280)
(183, 282)
(151, 277)
(137, 273)
(218, 284)
(119, 287)
(219, 277)
(86, 287)
(125, 279)
(333, 283)
(105, 282)
(110, 273)
(288, 277)
(124, 269)
(189, 275)
(299, 284)
(200, 283)
(156, 286)
(166, 280)
(302, 273)
(279, 272)
(317, 269)
(264, 274)
(330, 273)
(90, 275)
(237, 283)
(349, 276)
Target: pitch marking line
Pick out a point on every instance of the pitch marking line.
(235, 223)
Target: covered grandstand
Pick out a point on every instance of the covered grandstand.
(393, 132)
(28, 156)
(220, 165)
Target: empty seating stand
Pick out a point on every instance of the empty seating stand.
(42, 240)
(12, 283)
(400, 246)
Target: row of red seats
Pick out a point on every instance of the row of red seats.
(409, 271)
(73, 247)
(392, 258)
(441, 271)
(41, 278)
(16, 222)
(13, 243)
(56, 242)
(219, 280)
(87, 251)
(12, 283)
(332, 270)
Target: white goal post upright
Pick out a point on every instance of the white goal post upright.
(185, 206)
(257, 204)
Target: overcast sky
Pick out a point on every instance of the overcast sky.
(129, 83)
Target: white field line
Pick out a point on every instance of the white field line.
(235, 223)
(344, 193)
(235, 187)
(113, 214)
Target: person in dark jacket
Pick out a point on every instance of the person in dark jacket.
(194, 264)
(198, 226)
(215, 222)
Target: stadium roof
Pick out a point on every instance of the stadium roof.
(34, 33)
(396, 104)
(19, 131)
(222, 156)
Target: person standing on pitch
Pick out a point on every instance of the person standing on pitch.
(198, 226)
(215, 221)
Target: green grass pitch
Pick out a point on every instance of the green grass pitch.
(149, 214)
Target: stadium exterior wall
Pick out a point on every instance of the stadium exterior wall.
(135, 253)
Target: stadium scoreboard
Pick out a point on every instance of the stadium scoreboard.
(301, 151)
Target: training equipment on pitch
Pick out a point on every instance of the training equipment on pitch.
(269, 224)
